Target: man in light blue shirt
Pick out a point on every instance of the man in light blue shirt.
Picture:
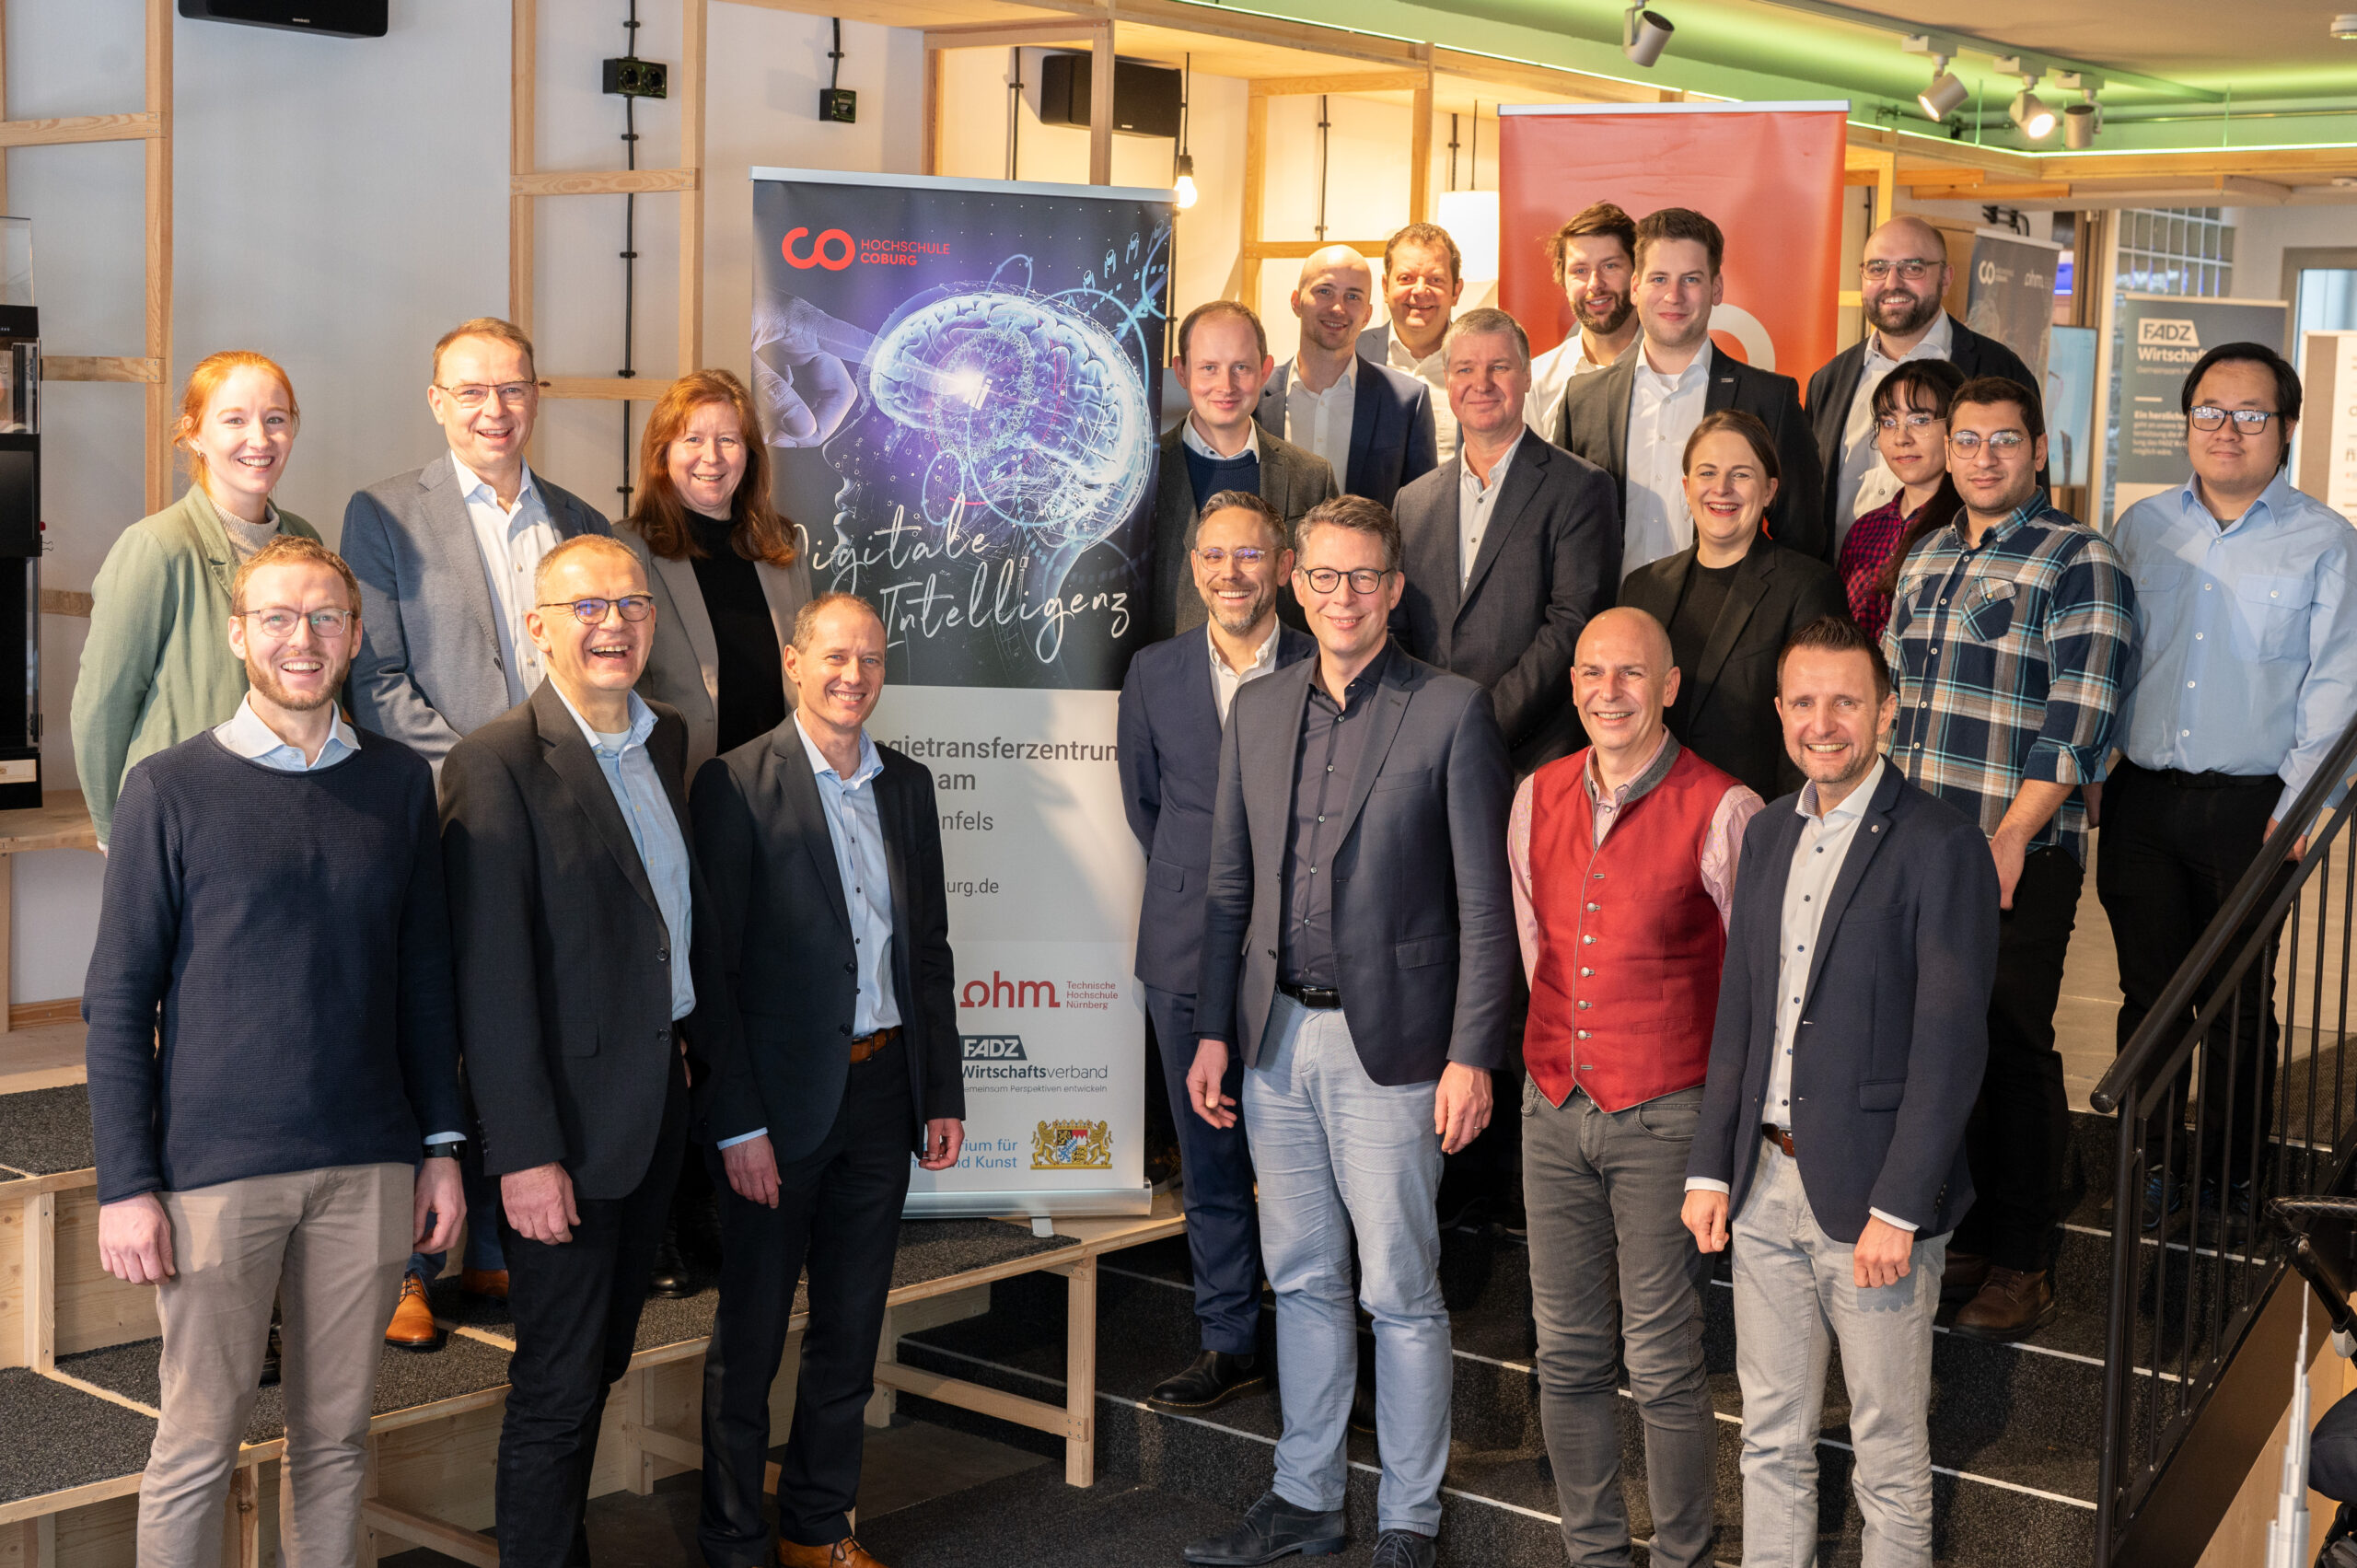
(2247, 674)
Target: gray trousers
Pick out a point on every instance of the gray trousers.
(1613, 1275)
(1795, 1294)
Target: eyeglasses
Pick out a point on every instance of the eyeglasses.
(1243, 556)
(1326, 579)
(592, 611)
(474, 394)
(1915, 418)
(328, 625)
(1965, 443)
(2249, 421)
(1914, 269)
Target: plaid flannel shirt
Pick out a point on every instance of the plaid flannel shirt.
(2009, 658)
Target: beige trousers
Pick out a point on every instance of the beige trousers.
(329, 1244)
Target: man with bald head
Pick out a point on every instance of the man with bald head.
(1623, 860)
(1902, 277)
(1373, 424)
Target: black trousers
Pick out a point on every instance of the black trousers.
(2021, 1124)
(2172, 850)
(838, 1211)
(575, 1305)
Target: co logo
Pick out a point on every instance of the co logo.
(819, 254)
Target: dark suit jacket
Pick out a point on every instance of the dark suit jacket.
(1550, 559)
(1292, 481)
(563, 960)
(1169, 762)
(785, 938)
(1596, 425)
(1391, 428)
(1894, 1024)
(1424, 920)
(1727, 696)
(1835, 387)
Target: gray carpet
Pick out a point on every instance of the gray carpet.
(53, 1437)
(43, 1132)
(405, 1379)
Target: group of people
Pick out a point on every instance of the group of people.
(1516, 679)
(601, 885)
(1471, 675)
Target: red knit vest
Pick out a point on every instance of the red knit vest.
(1629, 944)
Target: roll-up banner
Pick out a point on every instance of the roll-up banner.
(2324, 454)
(2162, 337)
(2010, 296)
(1768, 174)
(958, 380)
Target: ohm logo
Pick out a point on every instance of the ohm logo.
(833, 249)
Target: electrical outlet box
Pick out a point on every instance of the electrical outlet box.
(839, 105)
(633, 78)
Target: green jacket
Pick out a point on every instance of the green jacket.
(157, 667)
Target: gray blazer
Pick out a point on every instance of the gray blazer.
(1548, 560)
(1291, 480)
(1424, 920)
(428, 669)
(683, 667)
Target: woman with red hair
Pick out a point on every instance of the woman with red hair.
(157, 667)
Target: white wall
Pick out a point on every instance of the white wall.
(340, 203)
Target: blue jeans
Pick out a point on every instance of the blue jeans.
(1341, 1156)
(1222, 1235)
(483, 1224)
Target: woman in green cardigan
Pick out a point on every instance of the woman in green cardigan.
(157, 667)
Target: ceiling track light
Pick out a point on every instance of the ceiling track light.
(1946, 94)
(1645, 34)
(1182, 165)
(2083, 120)
(2028, 112)
(2344, 27)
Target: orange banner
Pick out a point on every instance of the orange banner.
(1769, 175)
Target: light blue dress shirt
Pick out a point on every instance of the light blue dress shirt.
(653, 828)
(2247, 635)
(857, 829)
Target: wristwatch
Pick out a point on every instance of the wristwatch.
(450, 1149)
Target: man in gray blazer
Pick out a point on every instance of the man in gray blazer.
(445, 554)
(1359, 952)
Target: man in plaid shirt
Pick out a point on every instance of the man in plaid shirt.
(2009, 641)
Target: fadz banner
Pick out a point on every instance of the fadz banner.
(2159, 339)
(959, 381)
(1768, 174)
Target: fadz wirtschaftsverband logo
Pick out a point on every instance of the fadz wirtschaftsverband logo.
(993, 1048)
(1072, 1145)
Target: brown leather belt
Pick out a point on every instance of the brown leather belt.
(867, 1046)
(1774, 1134)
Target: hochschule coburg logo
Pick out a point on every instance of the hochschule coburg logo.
(833, 249)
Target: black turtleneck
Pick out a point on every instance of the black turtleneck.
(752, 679)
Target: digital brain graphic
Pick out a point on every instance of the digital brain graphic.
(1038, 423)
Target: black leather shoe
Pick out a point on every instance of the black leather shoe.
(1404, 1549)
(1210, 1380)
(672, 1279)
(1273, 1527)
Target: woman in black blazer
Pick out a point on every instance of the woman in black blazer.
(1730, 599)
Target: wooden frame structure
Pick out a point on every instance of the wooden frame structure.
(152, 366)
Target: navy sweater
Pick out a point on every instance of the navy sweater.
(1209, 476)
(270, 989)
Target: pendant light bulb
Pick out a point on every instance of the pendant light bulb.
(1183, 187)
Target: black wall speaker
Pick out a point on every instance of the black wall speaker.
(337, 19)
(1145, 98)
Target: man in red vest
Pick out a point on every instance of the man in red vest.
(1623, 858)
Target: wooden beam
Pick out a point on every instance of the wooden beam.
(1034, 1414)
(1340, 82)
(1256, 192)
(158, 397)
(1100, 107)
(1576, 86)
(929, 155)
(241, 1520)
(601, 182)
(1420, 171)
(1009, 35)
(1080, 1365)
(74, 129)
(1939, 174)
(3, 116)
(693, 42)
(38, 1278)
(610, 389)
(1294, 250)
(522, 154)
(99, 367)
(440, 1535)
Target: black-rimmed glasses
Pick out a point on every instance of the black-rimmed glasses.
(328, 625)
(1326, 579)
(592, 611)
(2249, 420)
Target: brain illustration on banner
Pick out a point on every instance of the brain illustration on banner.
(1036, 419)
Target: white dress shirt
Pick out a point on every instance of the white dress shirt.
(1663, 411)
(1193, 439)
(512, 539)
(1227, 683)
(1551, 375)
(1320, 422)
(1433, 371)
(855, 827)
(1475, 503)
(1866, 482)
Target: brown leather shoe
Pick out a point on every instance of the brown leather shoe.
(845, 1553)
(413, 1326)
(491, 1283)
(2013, 1305)
(1964, 1274)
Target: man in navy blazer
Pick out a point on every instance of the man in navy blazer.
(1372, 424)
(1851, 1035)
(1175, 700)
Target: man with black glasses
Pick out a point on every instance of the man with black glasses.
(1901, 280)
(2010, 639)
(2249, 675)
